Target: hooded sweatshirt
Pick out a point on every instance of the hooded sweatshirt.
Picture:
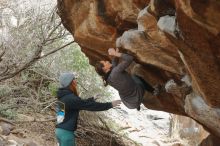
(131, 93)
(73, 104)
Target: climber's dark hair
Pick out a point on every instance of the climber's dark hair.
(100, 71)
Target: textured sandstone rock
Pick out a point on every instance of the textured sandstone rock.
(188, 129)
(5, 126)
(198, 109)
(169, 40)
(200, 48)
(210, 141)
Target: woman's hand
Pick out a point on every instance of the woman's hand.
(116, 103)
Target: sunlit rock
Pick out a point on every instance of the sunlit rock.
(168, 25)
(197, 108)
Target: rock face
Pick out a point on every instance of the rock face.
(187, 129)
(170, 40)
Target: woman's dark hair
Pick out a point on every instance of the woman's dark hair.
(100, 71)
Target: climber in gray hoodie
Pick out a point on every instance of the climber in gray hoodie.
(131, 88)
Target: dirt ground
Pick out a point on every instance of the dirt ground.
(37, 133)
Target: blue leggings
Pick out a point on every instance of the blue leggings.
(65, 137)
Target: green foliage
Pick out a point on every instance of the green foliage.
(9, 113)
(53, 88)
(71, 59)
(4, 91)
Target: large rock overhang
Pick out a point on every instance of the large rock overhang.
(169, 40)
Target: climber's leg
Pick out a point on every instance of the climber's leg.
(139, 80)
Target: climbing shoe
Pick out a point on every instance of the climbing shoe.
(139, 108)
(157, 90)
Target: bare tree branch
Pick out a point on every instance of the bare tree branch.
(35, 56)
(47, 30)
(49, 41)
(2, 53)
(52, 31)
(5, 71)
(6, 121)
(55, 50)
(36, 120)
(44, 76)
